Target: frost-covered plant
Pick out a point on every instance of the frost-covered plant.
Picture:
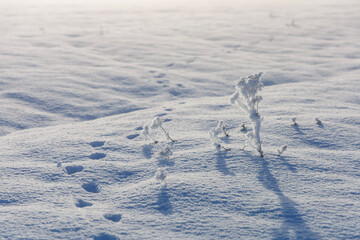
(166, 152)
(246, 97)
(146, 132)
(221, 128)
(281, 150)
(214, 136)
(243, 127)
(294, 121)
(157, 123)
(318, 122)
(161, 174)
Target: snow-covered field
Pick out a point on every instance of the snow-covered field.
(78, 81)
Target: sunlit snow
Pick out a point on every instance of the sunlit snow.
(88, 87)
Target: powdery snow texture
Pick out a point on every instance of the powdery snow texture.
(78, 83)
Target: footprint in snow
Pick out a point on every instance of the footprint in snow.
(97, 155)
(74, 35)
(97, 143)
(139, 128)
(132, 136)
(161, 114)
(160, 81)
(113, 217)
(174, 92)
(105, 236)
(160, 75)
(73, 169)
(81, 203)
(91, 187)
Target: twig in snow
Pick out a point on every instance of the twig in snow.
(318, 122)
(281, 150)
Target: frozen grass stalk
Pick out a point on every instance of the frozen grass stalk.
(146, 133)
(157, 123)
(281, 150)
(223, 128)
(246, 97)
(214, 136)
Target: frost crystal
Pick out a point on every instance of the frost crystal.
(246, 97)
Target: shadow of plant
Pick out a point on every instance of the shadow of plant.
(293, 223)
(163, 162)
(147, 150)
(221, 165)
(290, 166)
(163, 203)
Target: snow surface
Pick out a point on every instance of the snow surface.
(78, 82)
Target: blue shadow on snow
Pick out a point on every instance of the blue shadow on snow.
(147, 150)
(163, 203)
(293, 223)
(290, 166)
(221, 165)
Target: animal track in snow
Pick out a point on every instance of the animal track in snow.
(73, 169)
(97, 143)
(132, 136)
(74, 35)
(113, 217)
(97, 155)
(91, 187)
(174, 92)
(125, 174)
(160, 75)
(105, 236)
(161, 115)
(139, 128)
(81, 203)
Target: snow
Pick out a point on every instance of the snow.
(79, 81)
